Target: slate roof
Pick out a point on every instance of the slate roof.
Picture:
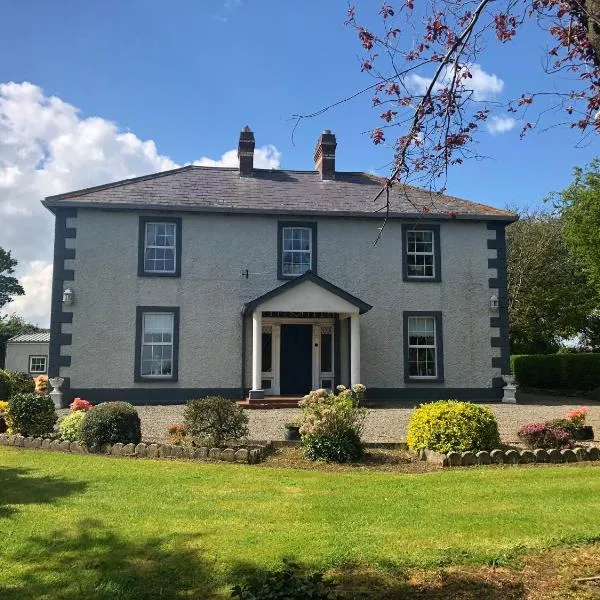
(42, 337)
(218, 189)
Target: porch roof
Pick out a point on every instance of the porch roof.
(304, 281)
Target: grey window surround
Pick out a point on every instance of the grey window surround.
(439, 338)
(141, 245)
(312, 225)
(45, 357)
(437, 254)
(139, 318)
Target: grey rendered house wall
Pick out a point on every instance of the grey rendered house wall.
(18, 353)
(211, 292)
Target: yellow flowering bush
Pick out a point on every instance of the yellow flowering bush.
(453, 425)
(4, 418)
(41, 384)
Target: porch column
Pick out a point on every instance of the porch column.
(256, 391)
(354, 349)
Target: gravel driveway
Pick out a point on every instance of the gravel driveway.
(382, 424)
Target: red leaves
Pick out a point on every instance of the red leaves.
(377, 136)
(525, 129)
(366, 38)
(389, 115)
(525, 100)
(506, 26)
(386, 11)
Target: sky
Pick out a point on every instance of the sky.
(97, 91)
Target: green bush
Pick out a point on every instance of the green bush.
(109, 423)
(31, 415)
(331, 425)
(452, 425)
(5, 387)
(69, 428)
(214, 420)
(557, 371)
(21, 383)
(288, 583)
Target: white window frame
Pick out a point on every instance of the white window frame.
(423, 346)
(420, 253)
(38, 356)
(152, 344)
(153, 246)
(284, 251)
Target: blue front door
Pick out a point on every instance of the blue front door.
(296, 359)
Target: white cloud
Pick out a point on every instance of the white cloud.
(500, 124)
(267, 157)
(47, 148)
(484, 85)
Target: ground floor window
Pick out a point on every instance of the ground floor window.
(423, 340)
(38, 364)
(157, 343)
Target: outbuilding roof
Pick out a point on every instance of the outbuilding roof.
(222, 190)
(40, 337)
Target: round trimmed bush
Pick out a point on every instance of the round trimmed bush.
(69, 428)
(31, 415)
(214, 420)
(21, 383)
(109, 423)
(450, 425)
(5, 387)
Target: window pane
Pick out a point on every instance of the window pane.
(420, 253)
(267, 351)
(326, 352)
(422, 349)
(297, 248)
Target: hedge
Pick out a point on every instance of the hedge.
(557, 371)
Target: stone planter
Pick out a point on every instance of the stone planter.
(583, 433)
(292, 434)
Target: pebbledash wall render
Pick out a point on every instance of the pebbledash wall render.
(229, 257)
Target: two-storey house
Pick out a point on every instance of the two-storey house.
(267, 282)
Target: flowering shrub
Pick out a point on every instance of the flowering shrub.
(577, 415)
(80, 404)
(3, 416)
(41, 384)
(450, 425)
(176, 433)
(69, 428)
(331, 424)
(545, 435)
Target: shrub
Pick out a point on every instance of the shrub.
(69, 428)
(21, 383)
(331, 425)
(80, 405)
(5, 385)
(109, 423)
(545, 435)
(577, 415)
(176, 434)
(288, 583)
(452, 425)
(3, 416)
(31, 415)
(557, 371)
(213, 420)
(41, 384)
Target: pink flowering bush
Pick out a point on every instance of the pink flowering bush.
(331, 424)
(176, 433)
(80, 404)
(577, 415)
(545, 435)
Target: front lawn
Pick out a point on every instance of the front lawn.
(94, 527)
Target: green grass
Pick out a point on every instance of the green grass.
(94, 527)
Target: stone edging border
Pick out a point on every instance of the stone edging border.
(249, 456)
(511, 457)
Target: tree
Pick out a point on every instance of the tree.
(579, 205)
(422, 62)
(9, 327)
(9, 286)
(549, 295)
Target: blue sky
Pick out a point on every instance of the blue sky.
(189, 74)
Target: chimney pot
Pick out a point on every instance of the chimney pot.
(246, 152)
(325, 155)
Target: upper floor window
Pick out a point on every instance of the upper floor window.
(297, 248)
(159, 247)
(421, 253)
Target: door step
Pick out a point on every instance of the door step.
(270, 402)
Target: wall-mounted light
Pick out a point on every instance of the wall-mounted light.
(68, 296)
(494, 304)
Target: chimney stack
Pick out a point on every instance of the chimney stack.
(246, 152)
(325, 155)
